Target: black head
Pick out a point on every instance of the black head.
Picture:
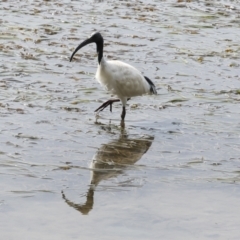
(94, 38)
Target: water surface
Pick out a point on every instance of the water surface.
(172, 173)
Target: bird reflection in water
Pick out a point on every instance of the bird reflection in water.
(111, 160)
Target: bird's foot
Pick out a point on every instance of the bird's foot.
(106, 104)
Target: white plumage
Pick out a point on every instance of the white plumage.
(119, 78)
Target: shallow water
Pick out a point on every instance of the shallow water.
(172, 173)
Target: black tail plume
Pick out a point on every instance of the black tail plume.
(152, 86)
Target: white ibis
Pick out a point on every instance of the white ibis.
(119, 78)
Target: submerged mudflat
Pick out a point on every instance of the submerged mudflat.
(172, 173)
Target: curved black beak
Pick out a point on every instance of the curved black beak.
(84, 43)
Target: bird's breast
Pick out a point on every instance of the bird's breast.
(105, 78)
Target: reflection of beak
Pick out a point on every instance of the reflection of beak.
(86, 42)
(83, 208)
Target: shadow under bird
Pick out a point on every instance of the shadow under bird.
(119, 78)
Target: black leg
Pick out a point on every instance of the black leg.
(106, 104)
(123, 116)
(123, 113)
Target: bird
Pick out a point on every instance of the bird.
(117, 77)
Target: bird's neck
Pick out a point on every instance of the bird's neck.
(100, 56)
(100, 50)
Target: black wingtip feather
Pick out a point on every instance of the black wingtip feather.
(152, 86)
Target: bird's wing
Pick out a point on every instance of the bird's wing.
(126, 80)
